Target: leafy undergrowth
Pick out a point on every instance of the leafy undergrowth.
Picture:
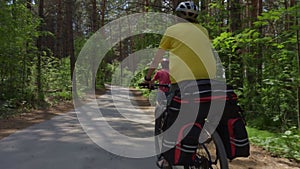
(285, 144)
(12, 107)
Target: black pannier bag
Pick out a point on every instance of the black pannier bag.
(182, 151)
(232, 128)
(234, 136)
(180, 145)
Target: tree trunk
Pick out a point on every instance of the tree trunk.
(40, 96)
(254, 11)
(297, 17)
(103, 12)
(254, 67)
(146, 5)
(59, 40)
(69, 37)
(95, 26)
(235, 15)
(260, 47)
(235, 66)
(255, 77)
(24, 58)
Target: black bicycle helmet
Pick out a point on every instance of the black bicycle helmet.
(187, 10)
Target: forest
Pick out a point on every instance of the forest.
(257, 41)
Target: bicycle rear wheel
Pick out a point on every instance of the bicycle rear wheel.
(212, 153)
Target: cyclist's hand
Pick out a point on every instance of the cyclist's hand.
(151, 84)
(148, 84)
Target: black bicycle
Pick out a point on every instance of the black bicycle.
(210, 154)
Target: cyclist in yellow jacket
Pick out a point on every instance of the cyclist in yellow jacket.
(191, 56)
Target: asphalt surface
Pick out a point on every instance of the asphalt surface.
(68, 142)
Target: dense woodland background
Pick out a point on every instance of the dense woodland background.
(257, 41)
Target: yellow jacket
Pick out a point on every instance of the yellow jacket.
(191, 55)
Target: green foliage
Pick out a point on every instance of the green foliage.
(227, 46)
(282, 145)
(18, 63)
(78, 44)
(213, 21)
(58, 79)
(263, 68)
(18, 32)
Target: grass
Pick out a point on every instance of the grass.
(285, 144)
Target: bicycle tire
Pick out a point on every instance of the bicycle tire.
(215, 153)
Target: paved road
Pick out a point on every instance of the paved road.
(62, 142)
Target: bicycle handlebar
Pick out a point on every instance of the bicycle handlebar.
(152, 86)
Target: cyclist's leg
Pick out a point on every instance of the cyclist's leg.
(159, 110)
(161, 162)
(158, 122)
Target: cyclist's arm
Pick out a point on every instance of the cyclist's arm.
(157, 58)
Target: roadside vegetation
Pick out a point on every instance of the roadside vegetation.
(285, 144)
